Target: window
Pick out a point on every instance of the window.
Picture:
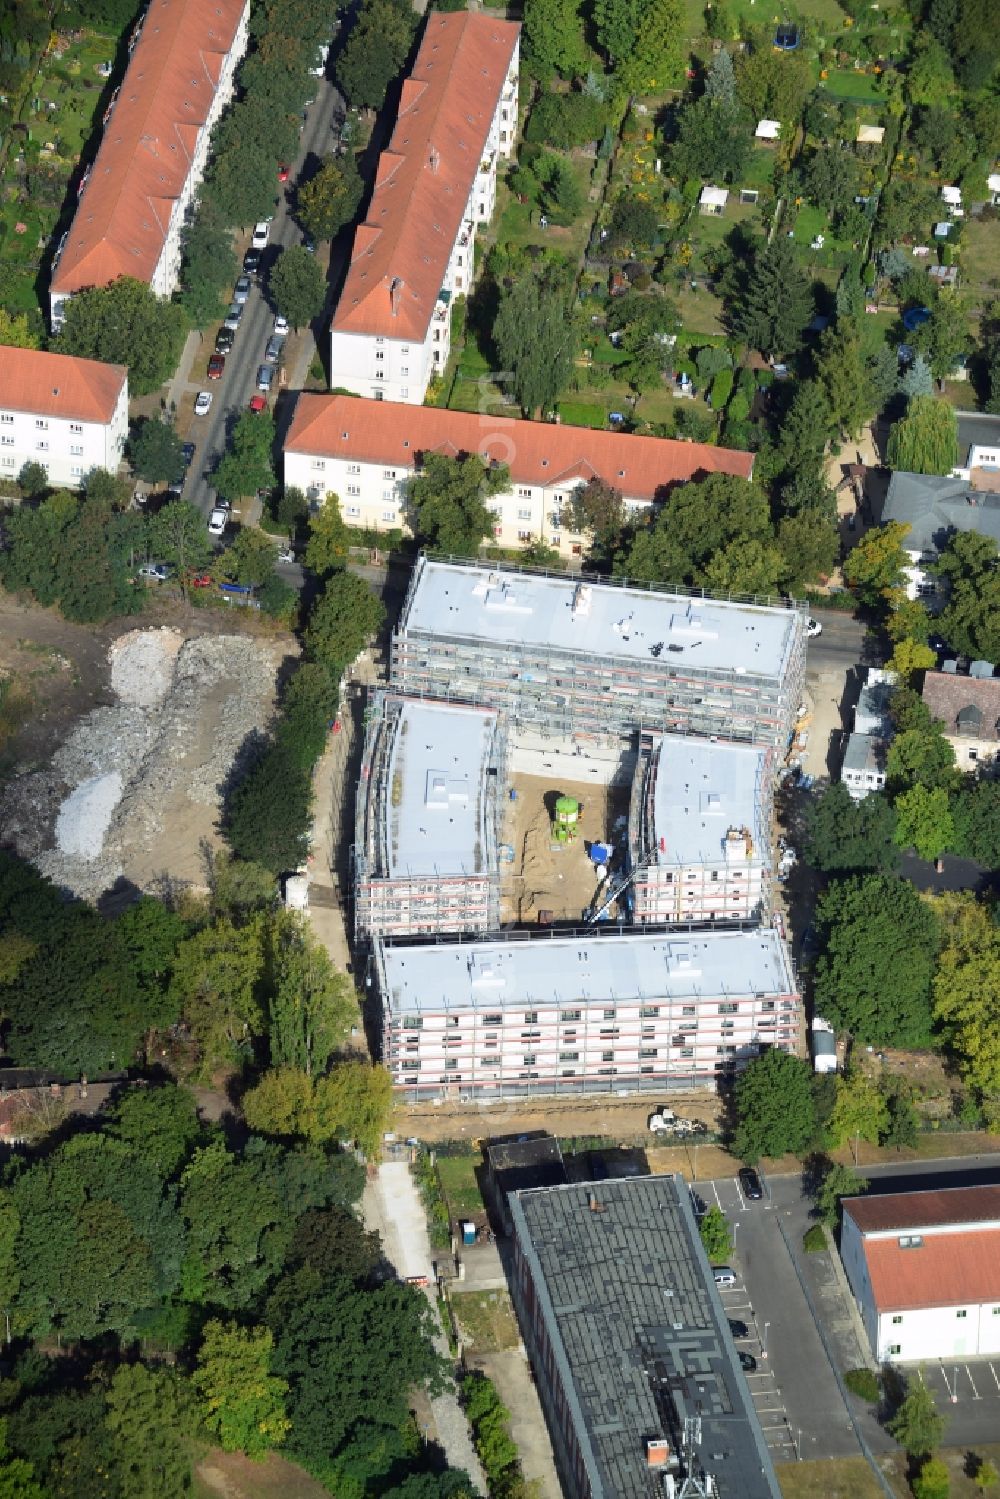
(728, 1009)
(569, 1056)
(388, 515)
(76, 426)
(647, 1051)
(524, 512)
(404, 348)
(354, 468)
(352, 510)
(609, 1014)
(388, 473)
(413, 1022)
(687, 1051)
(962, 1313)
(405, 370)
(409, 1066)
(910, 1241)
(76, 473)
(8, 442)
(531, 1018)
(5, 416)
(458, 283)
(688, 1025)
(607, 1071)
(529, 1059)
(725, 1051)
(41, 424)
(570, 1014)
(458, 260)
(76, 452)
(524, 536)
(649, 1012)
(42, 445)
(354, 489)
(380, 374)
(493, 1019)
(452, 1020)
(380, 340)
(531, 1035)
(524, 494)
(387, 494)
(689, 1010)
(319, 463)
(607, 1056)
(893, 1348)
(896, 1321)
(380, 354)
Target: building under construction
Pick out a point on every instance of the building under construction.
(426, 857)
(699, 830)
(570, 656)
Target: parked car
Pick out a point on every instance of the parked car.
(258, 403)
(280, 326)
(159, 572)
(738, 1329)
(813, 628)
(265, 375)
(275, 344)
(261, 235)
(747, 1361)
(309, 244)
(224, 340)
(218, 520)
(216, 365)
(251, 262)
(203, 400)
(283, 173)
(188, 449)
(751, 1184)
(241, 291)
(233, 316)
(724, 1276)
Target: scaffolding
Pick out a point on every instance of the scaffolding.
(740, 872)
(439, 898)
(568, 690)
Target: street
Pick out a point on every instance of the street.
(239, 381)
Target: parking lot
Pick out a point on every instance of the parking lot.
(794, 1387)
(967, 1393)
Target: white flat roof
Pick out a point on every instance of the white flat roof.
(701, 791)
(562, 614)
(575, 970)
(437, 777)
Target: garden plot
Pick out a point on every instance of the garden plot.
(134, 792)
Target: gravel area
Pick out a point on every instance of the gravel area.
(134, 792)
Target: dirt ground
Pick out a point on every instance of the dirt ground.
(597, 1114)
(559, 879)
(230, 1475)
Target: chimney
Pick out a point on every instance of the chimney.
(593, 1204)
(433, 161)
(395, 292)
(657, 1452)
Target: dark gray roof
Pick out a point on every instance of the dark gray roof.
(534, 1161)
(639, 1334)
(933, 507)
(976, 428)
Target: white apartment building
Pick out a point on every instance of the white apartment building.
(925, 1271)
(367, 457)
(863, 770)
(581, 1012)
(428, 819)
(70, 415)
(699, 830)
(129, 219)
(435, 186)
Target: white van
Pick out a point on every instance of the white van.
(724, 1276)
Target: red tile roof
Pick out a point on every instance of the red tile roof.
(977, 698)
(425, 175)
(59, 385)
(906, 1211)
(542, 453)
(120, 225)
(948, 1269)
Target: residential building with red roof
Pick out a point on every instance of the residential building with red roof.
(366, 454)
(70, 415)
(152, 158)
(434, 187)
(968, 706)
(924, 1267)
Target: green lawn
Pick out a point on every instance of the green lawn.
(486, 1319)
(827, 14)
(519, 223)
(457, 1174)
(846, 83)
(980, 258)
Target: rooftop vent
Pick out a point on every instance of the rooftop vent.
(434, 159)
(395, 292)
(657, 1452)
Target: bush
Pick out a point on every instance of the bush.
(862, 1382)
(933, 1481)
(722, 387)
(814, 1239)
(566, 120)
(432, 1197)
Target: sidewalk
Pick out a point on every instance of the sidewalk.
(181, 378)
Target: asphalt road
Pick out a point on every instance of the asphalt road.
(840, 645)
(239, 381)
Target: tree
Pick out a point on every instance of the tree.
(177, 535)
(925, 821)
(699, 523)
(535, 340)
(903, 1122)
(269, 813)
(715, 1236)
(905, 209)
(448, 499)
(208, 265)
(333, 1242)
(310, 1007)
(375, 51)
(917, 381)
(355, 1100)
(925, 440)
(967, 994)
(250, 560)
(773, 85)
(805, 432)
(842, 372)
(920, 757)
(15, 332)
(720, 80)
(944, 338)
(844, 836)
(773, 302)
(751, 567)
(33, 479)
(970, 619)
(156, 451)
(656, 59)
(553, 38)
(773, 1101)
(878, 942)
(832, 178)
(975, 813)
(596, 509)
(158, 1125)
(875, 567)
(562, 196)
(149, 1413)
(246, 466)
(986, 1476)
(125, 323)
(809, 546)
(837, 1183)
(243, 1403)
(933, 1480)
(633, 225)
(344, 619)
(330, 200)
(860, 1111)
(929, 78)
(329, 538)
(910, 657)
(714, 139)
(297, 286)
(615, 26)
(216, 983)
(917, 1425)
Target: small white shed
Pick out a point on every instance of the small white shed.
(870, 135)
(768, 130)
(713, 200)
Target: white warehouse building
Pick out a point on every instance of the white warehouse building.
(925, 1271)
(581, 1012)
(157, 129)
(434, 186)
(699, 830)
(69, 415)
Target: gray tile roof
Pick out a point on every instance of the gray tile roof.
(969, 707)
(933, 507)
(639, 1334)
(976, 429)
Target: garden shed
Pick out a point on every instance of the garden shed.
(870, 135)
(768, 130)
(713, 200)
